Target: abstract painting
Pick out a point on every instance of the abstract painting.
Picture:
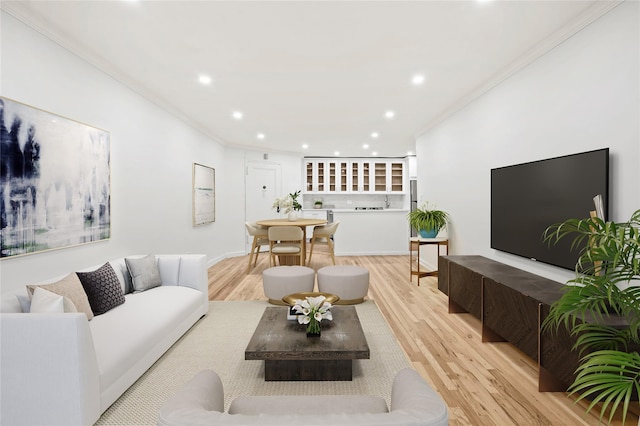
(54, 181)
(204, 194)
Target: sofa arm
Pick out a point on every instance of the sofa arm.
(412, 394)
(49, 370)
(202, 394)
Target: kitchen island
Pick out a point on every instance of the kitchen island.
(371, 232)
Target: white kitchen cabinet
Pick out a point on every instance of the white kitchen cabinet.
(389, 176)
(371, 232)
(314, 176)
(360, 176)
(337, 174)
(396, 181)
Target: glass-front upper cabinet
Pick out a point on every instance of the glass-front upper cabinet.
(389, 176)
(354, 176)
(309, 185)
(360, 176)
(337, 176)
(320, 167)
(380, 177)
(314, 175)
(396, 176)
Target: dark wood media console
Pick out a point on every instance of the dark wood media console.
(510, 303)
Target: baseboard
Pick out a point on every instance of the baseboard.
(220, 258)
(374, 253)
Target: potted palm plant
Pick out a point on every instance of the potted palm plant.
(428, 222)
(606, 285)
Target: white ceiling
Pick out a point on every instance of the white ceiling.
(316, 72)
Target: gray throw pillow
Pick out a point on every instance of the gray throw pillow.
(144, 272)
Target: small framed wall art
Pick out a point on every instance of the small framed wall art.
(55, 184)
(204, 194)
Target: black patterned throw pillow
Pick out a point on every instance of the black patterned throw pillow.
(103, 288)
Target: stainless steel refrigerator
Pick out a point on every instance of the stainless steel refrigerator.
(413, 205)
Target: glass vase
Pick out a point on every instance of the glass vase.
(313, 328)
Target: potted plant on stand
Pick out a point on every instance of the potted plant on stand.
(606, 286)
(428, 222)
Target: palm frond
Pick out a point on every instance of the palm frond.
(610, 377)
(606, 285)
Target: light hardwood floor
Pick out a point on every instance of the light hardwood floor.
(482, 383)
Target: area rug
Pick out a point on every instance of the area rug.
(218, 341)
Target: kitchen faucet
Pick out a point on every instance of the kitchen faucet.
(387, 203)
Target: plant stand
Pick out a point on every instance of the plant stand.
(414, 246)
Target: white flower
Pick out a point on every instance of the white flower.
(284, 204)
(313, 307)
(316, 302)
(303, 319)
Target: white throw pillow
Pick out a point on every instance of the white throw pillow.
(44, 301)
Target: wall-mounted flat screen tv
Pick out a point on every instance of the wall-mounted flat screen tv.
(527, 198)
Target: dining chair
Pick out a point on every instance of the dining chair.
(285, 241)
(324, 235)
(260, 238)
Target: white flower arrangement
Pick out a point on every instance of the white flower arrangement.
(284, 204)
(311, 311)
(287, 203)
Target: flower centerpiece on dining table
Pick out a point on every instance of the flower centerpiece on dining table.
(311, 311)
(288, 204)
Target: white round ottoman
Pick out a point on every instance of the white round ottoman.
(350, 282)
(281, 281)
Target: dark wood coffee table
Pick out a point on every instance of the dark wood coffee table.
(289, 354)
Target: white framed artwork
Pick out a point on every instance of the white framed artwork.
(55, 181)
(204, 194)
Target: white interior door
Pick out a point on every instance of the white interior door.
(262, 186)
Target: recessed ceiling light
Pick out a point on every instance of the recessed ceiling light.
(205, 79)
(374, 153)
(237, 115)
(374, 135)
(418, 79)
(336, 153)
(305, 146)
(365, 146)
(260, 135)
(389, 114)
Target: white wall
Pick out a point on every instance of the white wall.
(582, 95)
(151, 159)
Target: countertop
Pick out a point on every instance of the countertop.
(353, 210)
(370, 211)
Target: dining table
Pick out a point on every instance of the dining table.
(301, 222)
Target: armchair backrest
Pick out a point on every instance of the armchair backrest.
(328, 229)
(285, 233)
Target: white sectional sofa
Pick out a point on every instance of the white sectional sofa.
(62, 369)
(201, 403)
